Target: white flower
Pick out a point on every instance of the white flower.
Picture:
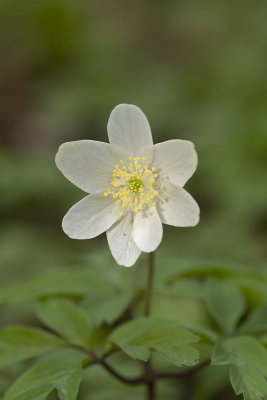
(134, 186)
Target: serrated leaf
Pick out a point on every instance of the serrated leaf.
(248, 361)
(256, 321)
(138, 338)
(180, 355)
(225, 303)
(248, 381)
(61, 373)
(106, 309)
(19, 343)
(67, 319)
(243, 350)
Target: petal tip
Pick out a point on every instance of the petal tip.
(61, 148)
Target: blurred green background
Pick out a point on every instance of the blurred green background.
(197, 70)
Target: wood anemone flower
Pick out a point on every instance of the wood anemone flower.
(134, 186)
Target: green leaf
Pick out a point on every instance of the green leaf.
(138, 338)
(184, 287)
(205, 333)
(62, 373)
(19, 343)
(39, 393)
(248, 361)
(254, 288)
(106, 309)
(225, 303)
(67, 319)
(58, 282)
(248, 381)
(256, 321)
(179, 355)
(168, 269)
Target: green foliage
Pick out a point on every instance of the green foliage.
(106, 309)
(68, 320)
(141, 336)
(256, 321)
(225, 302)
(248, 365)
(58, 282)
(62, 372)
(19, 343)
(99, 311)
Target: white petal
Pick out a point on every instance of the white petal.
(90, 217)
(176, 160)
(176, 206)
(148, 230)
(121, 243)
(128, 129)
(88, 164)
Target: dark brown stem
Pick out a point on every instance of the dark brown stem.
(151, 390)
(183, 374)
(149, 376)
(148, 371)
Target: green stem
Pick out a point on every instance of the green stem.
(149, 284)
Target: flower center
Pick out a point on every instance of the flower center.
(133, 185)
